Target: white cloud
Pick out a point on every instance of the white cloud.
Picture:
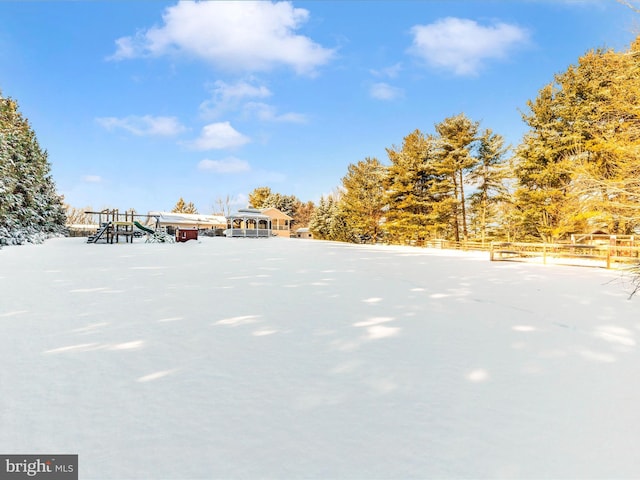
(233, 97)
(146, 125)
(462, 45)
(92, 179)
(218, 136)
(227, 97)
(384, 91)
(268, 113)
(228, 165)
(238, 36)
(389, 72)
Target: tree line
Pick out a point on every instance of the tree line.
(30, 208)
(576, 170)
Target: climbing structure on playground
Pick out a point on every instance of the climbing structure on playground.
(113, 225)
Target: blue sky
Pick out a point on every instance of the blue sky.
(139, 103)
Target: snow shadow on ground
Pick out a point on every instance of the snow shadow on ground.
(245, 358)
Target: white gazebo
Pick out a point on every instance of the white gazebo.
(248, 222)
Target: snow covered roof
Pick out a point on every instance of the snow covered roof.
(249, 213)
(172, 218)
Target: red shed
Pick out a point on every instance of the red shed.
(185, 234)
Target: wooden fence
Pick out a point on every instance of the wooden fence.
(607, 256)
(595, 255)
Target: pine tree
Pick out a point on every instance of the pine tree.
(488, 175)
(457, 137)
(543, 169)
(287, 204)
(183, 207)
(577, 165)
(190, 208)
(328, 221)
(601, 102)
(417, 194)
(319, 223)
(363, 200)
(258, 197)
(30, 208)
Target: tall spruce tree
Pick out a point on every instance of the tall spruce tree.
(328, 221)
(319, 223)
(30, 208)
(363, 199)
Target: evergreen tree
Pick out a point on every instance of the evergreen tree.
(488, 176)
(285, 203)
(340, 230)
(30, 208)
(363, 200)
(258, 197)
(329, 221)
(601, 101)
(263, 197)
(183, 207)
(457, 138)
(417, 194)
(320, 222)
(578, 163)
(190, 208)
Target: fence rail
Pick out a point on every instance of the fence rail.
(607, 256)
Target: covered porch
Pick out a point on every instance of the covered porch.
(248, 222)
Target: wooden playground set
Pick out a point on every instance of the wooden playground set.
(112, 225)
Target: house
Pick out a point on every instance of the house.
(171, 220)
(280, 221)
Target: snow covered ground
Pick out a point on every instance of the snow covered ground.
(291, 359)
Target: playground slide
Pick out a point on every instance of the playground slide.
(153, 236)
(143, 228)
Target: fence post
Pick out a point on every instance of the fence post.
(608, 256)
(544, 253)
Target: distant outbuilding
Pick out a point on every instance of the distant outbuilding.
(303, 233)
(186, 234)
